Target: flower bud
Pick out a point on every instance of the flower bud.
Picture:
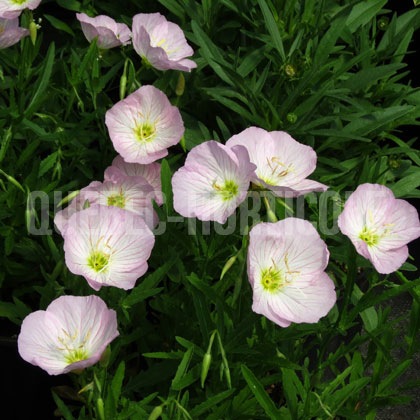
(123, 86)
(180, 86)
(290, 70)
(155, 414)
(100, 405)
(205, 368)
(383, 23)
(228, 265)
(33, 28)
(292, 117)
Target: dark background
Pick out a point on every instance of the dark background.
(25, 392)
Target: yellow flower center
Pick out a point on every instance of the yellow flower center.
(98, 261)
(117, 200)
(73, 348)
(369, 236)
(278, 170)
(228, 190)
(272, 280)
(145, 132)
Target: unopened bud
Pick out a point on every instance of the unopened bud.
(123, 86)
(155, 414)
(228, 265)
(383, 23)
(100, 405)
(205, 368)
(292, 117)
(33, 28)
(180, 86)
(290, 70)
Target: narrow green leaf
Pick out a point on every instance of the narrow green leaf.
(42, 82)
(64, 410)
(166, 176)
(183, 367)
(200, 409)
(272, 29)
(363, 12)
(59, 24)
(260, 394)
(117, 381)
(406, 185)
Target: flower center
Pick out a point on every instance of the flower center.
(73, 347)
(272, 280)
(278, 170)
(369, 236)
(145, 132)
(98, 261)
(117, 200)
(228, 190)
(19, 1)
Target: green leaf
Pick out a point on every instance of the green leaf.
(272, 29)
(59, 24)
(200, 409)
(290, 391)
(182, 368)
(64, 410)
(47, 164)
(395, 374)
(70, 5)
(406, 185)
(260, 394)
(166, 177)
(328, 41)
(363, 12)
(42, 82)
(117, 381)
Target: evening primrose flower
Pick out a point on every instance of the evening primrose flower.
(160, 43)
(151, 173)
(286, 263)
(143, 125)
(10, 32)
(10, 9)
(132, 193)
(213, 181)
(282, 163)
(71, 334)
(110, 34)
(108, 246)
(380, 226)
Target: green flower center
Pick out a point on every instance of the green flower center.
(145, 132)
(369, 236)
(228, 190)
(117, 200)
(18, 1)
(272, 280)
(98, 261)
(76, 355)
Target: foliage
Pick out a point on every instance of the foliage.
(332, 74)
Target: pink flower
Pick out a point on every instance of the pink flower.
(110, 34)
(10, 9)
(150, 172)
(131, 193)
(213, 182)
(282, 163)
(108, 246)
(286, 263)
(161, 43)
(71, 334)
(380, 226)
(143, 125)
(10, 32)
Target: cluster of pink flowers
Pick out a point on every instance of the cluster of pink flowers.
(107, 227)
(159, 43)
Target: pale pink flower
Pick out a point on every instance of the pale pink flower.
(282, 163)
(131, 193)
(380, 226)
(110, 34)
(108, 246)
(161, 43)
(143, 125)
(10, 9)
(10, 32)
(286, 263)
(70, 335)
(151, 173)
(213, 182)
